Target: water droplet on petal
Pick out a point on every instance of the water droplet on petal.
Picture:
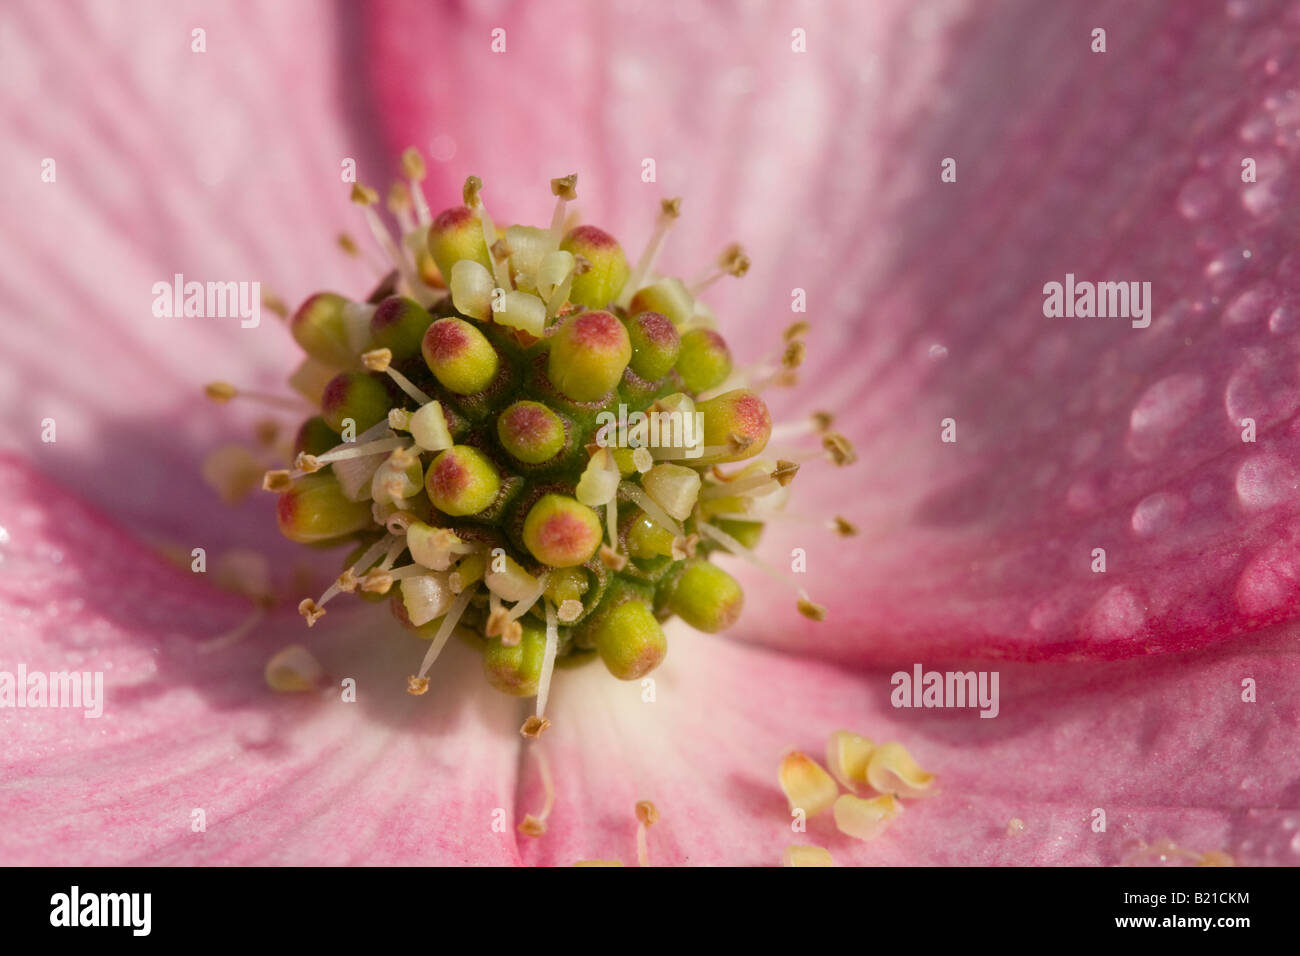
(1118, 615)
(1161, 411)
(1157, 513)
(1266, 481)
(1198, 198)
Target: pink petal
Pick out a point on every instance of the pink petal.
(282, 779)
(1072, 434)
(1165, 746)
(221, 166)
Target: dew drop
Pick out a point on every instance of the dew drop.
(1270, 581)
(1158, 513)
(1265, 481)
(938, 352)
(1198, 198)
(1261, 388)
(1252, 305)
(1119, 614)
(1161, 411)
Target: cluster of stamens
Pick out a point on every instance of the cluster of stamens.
(472, 447)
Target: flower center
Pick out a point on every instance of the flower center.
(523, 440)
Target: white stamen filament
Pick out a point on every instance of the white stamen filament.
(548, 660)
(407, 386)
(524, 605)
(740, 551)
(667, 216)
(371, 555)
(353, 450)
(449, 622)
(652, 509)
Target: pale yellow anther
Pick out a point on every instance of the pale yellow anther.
(642, 459)
(413, 164)
(807, 855)
(807, 786)
(612, 559)
(670, 208)
(892, 770)
(530, 826)
(233, 472)
(500, 250)
(348, 244)
(734, 261)
(1015, 827)
(377, 582)
(684, 547)
(500, 625)
(273, 303)
(293, 670)
(399, 419)
(784, 472)
(377, 360)
(310, 610)
(308, 464)
(347, 581)
(416, 686)
(566, 187)
(838, 449)
(814, 612)
(470, 192)
(843, 527)
(822, 421)
(647, 813)
(364, 195)
(864, 819)
(569, 611)
(220, 392)
(847, 755)
(399, 197)
(534, 726)
(794, 355)
(795, 331)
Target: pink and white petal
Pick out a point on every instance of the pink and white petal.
(220, 165)
(280, 778)
(1164, 745)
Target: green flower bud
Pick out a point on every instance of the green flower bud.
(561, 531)
(705, 360)
(460, 356)
(399, 325)
(655, 344)
(457, 234)
(706, 597)
(320, 329)
(359, 396)
(516, 670)
(646, 539)
(667, 296)
(588, 355)
(461, 481)
(603, 281)
(531, 432)
(629, 640)
(315, 509)
(737, 421)
(315, 437)
(747, 533)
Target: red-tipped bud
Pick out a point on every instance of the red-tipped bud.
(705, 360)
(358, 396)
(737, 425)
(315, 437)
(457, 234)
(706, 597)
(320, 328)
(461, 481)
(531, 432)
(588, 355)
(516, 669)
(315, 509)
(603, 280)
(630, 640)
(561, 531)
(460, 356)
(655, 344)
(399, 325)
